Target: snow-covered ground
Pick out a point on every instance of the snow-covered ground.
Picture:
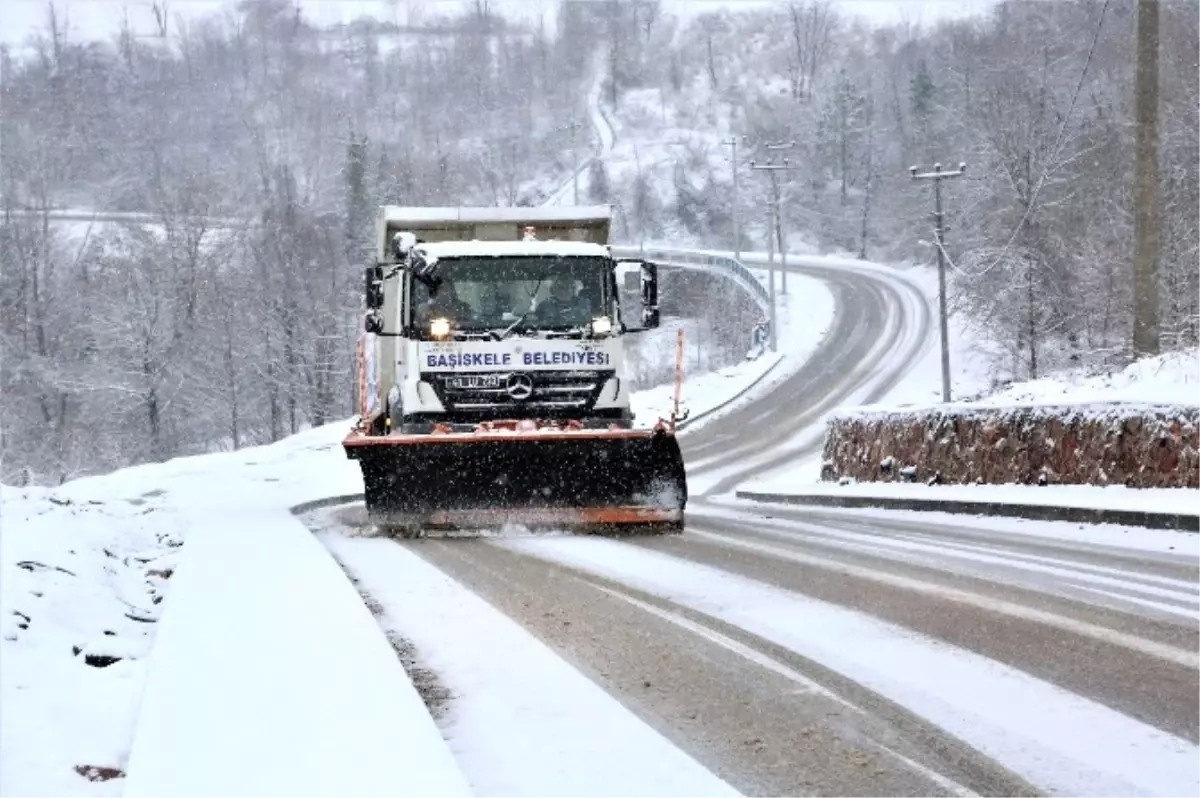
(82, 579)
(1171, 378)
(255, 607)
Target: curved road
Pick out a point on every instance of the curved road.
(798, 651)
(814, 651)
(804, 651)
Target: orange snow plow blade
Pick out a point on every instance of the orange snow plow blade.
(562, 478)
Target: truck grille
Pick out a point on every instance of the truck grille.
(521, 393)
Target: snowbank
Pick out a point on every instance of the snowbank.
(271, 678)
(1172, 378)
(266, 657)
(1100, 430)
(80, 589)
(1163, 381)
(702, 394)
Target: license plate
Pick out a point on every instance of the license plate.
(474, 382)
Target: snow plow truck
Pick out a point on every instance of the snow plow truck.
(492, 382)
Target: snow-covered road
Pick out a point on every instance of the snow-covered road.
(826, 656)
(764, 651)
(804, 651)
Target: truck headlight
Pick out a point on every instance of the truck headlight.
(602, 325)
(439, 328)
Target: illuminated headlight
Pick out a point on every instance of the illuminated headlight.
(602, 325)
(439, 328)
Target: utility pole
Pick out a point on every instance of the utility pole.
(779, 212)
(1146, 202)
(770, 169)
(737, 227)
(937, 176)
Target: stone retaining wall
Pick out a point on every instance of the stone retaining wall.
(1137, 445)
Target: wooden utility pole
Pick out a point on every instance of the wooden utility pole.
(779, 212)
(737, 227)
(1146, 201)
(770, 169)
(939, 232)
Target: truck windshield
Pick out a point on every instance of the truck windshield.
(532, 293)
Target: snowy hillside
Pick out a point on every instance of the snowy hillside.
(1171, 378)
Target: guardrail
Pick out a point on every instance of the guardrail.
(702, 261)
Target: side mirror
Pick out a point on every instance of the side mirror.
(373, 324)
(650, 315)
(373, 287)
(425, 271)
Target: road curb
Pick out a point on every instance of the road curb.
(745, 390)
(319, 504)
(1180, 522)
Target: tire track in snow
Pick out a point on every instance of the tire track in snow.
(757, 680)
(753, 713)
(1141, 668)
(1055, 738)
(756, 714)
(520, 720)
(1130, 584)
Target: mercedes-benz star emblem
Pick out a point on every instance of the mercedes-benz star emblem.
(519, 386)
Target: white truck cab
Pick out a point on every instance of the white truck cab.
(475, 316)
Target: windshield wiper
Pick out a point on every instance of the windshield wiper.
(508, 330)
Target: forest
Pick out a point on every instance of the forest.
(1037, 98)
(132, 343)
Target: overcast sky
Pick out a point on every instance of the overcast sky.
(100, 19)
